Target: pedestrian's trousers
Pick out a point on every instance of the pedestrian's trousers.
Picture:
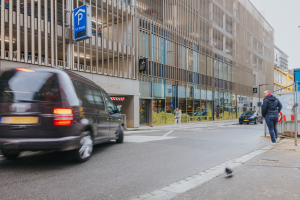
(177, 121)
(271, 121)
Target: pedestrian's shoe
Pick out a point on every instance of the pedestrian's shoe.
(273, 143)
(278, 139)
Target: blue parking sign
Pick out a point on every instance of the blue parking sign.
(82, 22)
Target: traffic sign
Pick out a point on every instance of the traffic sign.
(279, 117)
(82, 22)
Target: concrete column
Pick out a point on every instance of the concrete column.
(211, 37)
(224, 21)
(150, 108)
(234, 29)
(224, 43)
(70, 46)
(130, 107)
(211, 11)
(234, 8)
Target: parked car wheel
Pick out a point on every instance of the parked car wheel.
(10, 154)
(120, 135)
(241, 123)
(262, 121)
(84, 152)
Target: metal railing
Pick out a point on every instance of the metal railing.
(285, 125)
(124, 120)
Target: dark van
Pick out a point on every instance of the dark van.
(45, 109)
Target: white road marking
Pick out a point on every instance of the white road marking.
(168, 133)
(174, 189)
(144, 131)
(140, 139)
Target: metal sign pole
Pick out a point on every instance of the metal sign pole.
(296, 112)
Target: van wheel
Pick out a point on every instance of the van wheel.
(10, 154)
(255, 122)
(120, 135)
(84, 152)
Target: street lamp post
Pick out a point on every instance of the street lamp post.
(259, 96)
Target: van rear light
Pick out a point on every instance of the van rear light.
(63, 111)
(63, 116)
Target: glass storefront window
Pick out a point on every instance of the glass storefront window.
(190, 102)
(216, 105)
(221, 104)
(203, 108)
(145, 89)
(240, 100)
(144, 112)
(216, 67)
(182, 100)
(209, 104)
(158, 88)
(227, 106)
(170, 101)
(159, 115)
(233, 104)
(197, 104)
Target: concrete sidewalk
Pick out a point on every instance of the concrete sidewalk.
(274, 174)
(203, 124)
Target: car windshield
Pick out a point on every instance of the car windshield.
(28, 86)
(249, 113)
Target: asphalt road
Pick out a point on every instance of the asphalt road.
(145, 162)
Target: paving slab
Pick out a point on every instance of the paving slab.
(274, 174)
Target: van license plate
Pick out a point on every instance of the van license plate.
(246, 120)
(19, 120)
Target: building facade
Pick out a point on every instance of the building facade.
(204, 56)
(283, 77)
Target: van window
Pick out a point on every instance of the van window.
(110, 104)
(90, 96)
(21, 86)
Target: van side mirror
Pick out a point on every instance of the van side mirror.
(119, 108)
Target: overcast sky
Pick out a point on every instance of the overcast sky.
(283, 16)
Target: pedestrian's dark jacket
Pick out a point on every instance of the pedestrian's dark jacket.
(271, 106)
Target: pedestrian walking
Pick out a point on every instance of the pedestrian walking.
(177, 113)
(270, 109)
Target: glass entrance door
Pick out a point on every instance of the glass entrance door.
(144, 115)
